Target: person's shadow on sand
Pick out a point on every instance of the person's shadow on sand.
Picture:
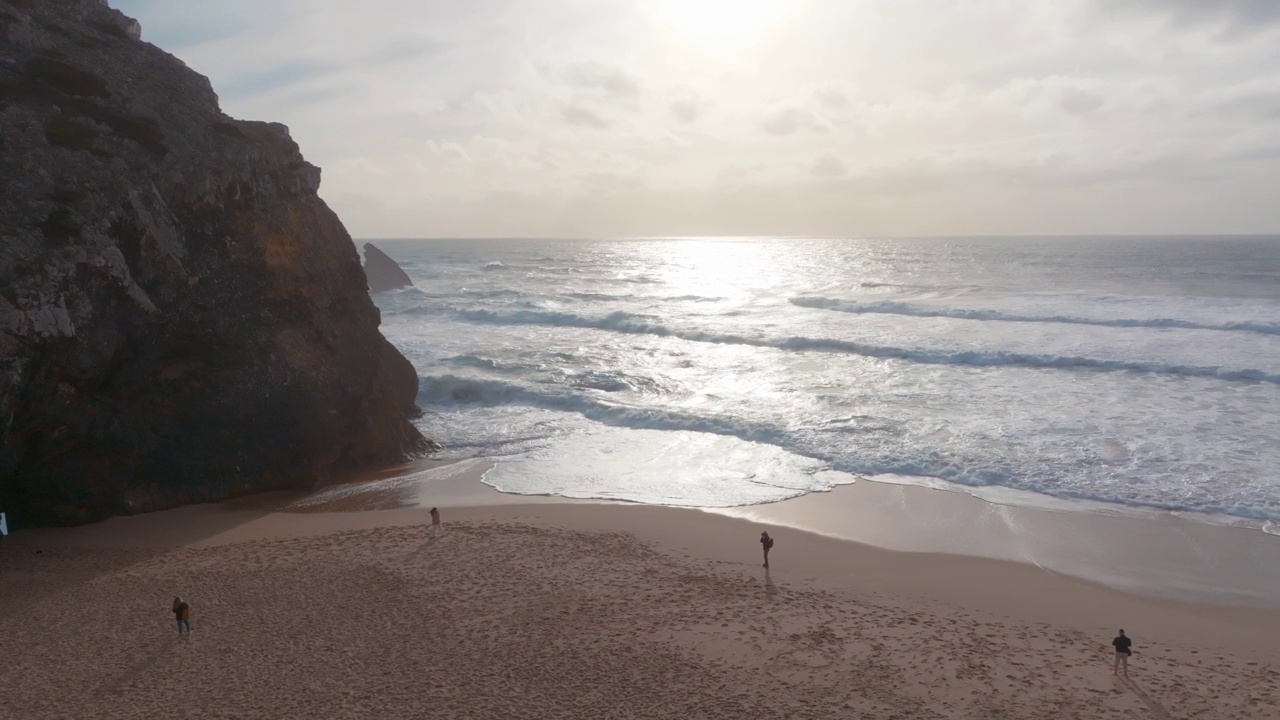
(136, 670)
(425, 546)
(1155, 707)
(769, 588)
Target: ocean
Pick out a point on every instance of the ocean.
(738, 371)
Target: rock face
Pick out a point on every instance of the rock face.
(382, 272)
(182, 319)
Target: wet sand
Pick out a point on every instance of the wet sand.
(1216, 560)
(583, 610)
(1149, 552)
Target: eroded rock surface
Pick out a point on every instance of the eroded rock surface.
(182, 318)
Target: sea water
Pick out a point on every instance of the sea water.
(738, 371)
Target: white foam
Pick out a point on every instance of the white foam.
(993, 315)
(1123, 386)
(686, 469)
(623, 322)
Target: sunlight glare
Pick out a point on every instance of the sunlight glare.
(721, 25)
(719, 267)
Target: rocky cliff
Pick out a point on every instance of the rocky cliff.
(182, 319)
(382, 272)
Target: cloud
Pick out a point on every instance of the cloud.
(578, 115)
(685, 111)
(597, 91)
(828, 166)
(737, 175)
(790, 119)
(500, 117)
(609, 81)
(920, 177)
(181, 26)
(254, 82)
(832, 96)
(1261, 107)
(403, 49)
(1251, 101)
(1258, 155)
(1238, 16)
(607, 183)
(1080, 102)
(301, 98)
(451, 150)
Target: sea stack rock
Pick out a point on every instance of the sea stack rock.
(182, 319)
(382, 272)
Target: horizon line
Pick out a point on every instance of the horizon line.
(965, 236)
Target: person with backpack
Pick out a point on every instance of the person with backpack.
(1123, 646)
(182, 613)
(767, 543)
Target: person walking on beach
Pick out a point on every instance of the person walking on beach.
(182, 613)
(767, 543)
(437, 529)
(1122, 644)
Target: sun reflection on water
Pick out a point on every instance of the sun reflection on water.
(726, 268)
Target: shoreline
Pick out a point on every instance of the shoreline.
(1153, 553)
(1143, 551)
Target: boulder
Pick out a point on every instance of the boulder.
(382, 272)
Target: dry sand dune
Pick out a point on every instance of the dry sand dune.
(503, 619)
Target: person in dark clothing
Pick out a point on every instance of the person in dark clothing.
(182, 613)
(767, 543)
(1123, 646)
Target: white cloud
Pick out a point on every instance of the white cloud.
(1080, 102)
(828, 166)
(448, 150)
(500, 117)
(582, 115)
(789, 120)
(610, 81)
(685, 111)
(832, 96)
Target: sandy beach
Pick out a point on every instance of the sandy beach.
(584, 610)
(972, 307)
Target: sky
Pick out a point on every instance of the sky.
(615, 118)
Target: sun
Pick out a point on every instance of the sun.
(721, 25)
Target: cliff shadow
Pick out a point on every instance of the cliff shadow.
(41, 563)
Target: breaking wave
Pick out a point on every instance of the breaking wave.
(901, 308)
(448, 391)
(623, 322)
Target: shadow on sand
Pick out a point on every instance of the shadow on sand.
(32, 560)
(150, 659)
(425, 546)
(37, 560)
(1155, 707)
